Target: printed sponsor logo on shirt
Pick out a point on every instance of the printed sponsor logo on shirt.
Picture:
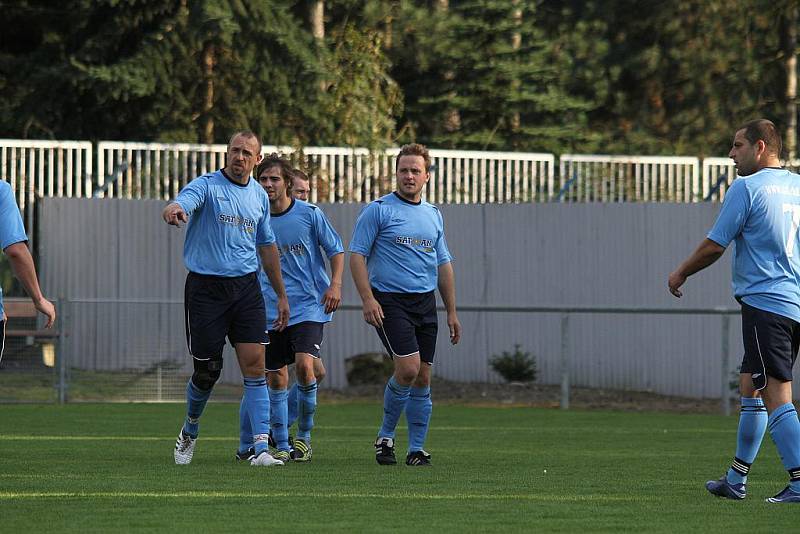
(414, 242)
(297, 249)
(248, 225)
(782, 190)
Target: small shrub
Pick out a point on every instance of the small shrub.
(517, 366)
(368, 368)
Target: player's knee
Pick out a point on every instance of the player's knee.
(320, 373)
(305, 373)
(278, 379)
(206, 373)
(406, 375)
(422, 381)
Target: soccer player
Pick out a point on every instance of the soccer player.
(301, 190)
(301, 186)
(398, 257)
(761, 215)
(228, 231)
(303, 235)
(13, 241)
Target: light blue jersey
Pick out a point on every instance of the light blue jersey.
(403, 242)
(761, 215)
(11, 228)
(302, 233)
(227, 221)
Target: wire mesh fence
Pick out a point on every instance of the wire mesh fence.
(134, 350)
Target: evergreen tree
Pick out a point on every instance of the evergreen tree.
(670, 77)
(489, 60)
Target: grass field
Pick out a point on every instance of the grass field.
(109, 467)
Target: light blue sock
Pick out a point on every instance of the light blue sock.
(256, 400)
(418, 415)
(245, 430)
(752, 425)
(395, 397)
(306, 406)
(784, 427)
(196, 400)
(292, 402)
(277, 420)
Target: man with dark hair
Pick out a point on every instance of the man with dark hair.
(13, 241)
(765, 130)
(398, 258)
(761, 214)
(226, 235)
(304, 238)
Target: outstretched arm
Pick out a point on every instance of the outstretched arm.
(173, 214)
(706, 253)
(22, 262)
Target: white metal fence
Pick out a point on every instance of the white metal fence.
(45, 168)
(156, 170)
(601, 178)
(159, 170)
(718, 173)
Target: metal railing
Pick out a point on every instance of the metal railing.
(45, 168)
(139, 344)
(158, 170)
(567, 311)
(602, 178)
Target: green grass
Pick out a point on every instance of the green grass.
(109, 467)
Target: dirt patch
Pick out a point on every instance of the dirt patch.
(542, 396)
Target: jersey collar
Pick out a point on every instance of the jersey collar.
(406, 200)
(234, 182)
(284, 212)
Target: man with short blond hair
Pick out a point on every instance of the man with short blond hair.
(398, 258)
(301, 185)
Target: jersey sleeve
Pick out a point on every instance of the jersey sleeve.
(366, 229)
(11, 228)
(733, 215)
(442, 252)
(326, 235)
(193, 195)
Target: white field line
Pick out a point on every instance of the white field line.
(9, 495)
(532, 429)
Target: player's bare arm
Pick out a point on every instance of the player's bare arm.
(22, 263)
(706, 253)
(447, 289)
(173, 214)
(272, 266)
(373, 313)
(332, 297)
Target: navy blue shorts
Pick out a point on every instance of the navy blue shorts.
(770, 345)
(218, 307)
(410, 324)
(301, 337)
